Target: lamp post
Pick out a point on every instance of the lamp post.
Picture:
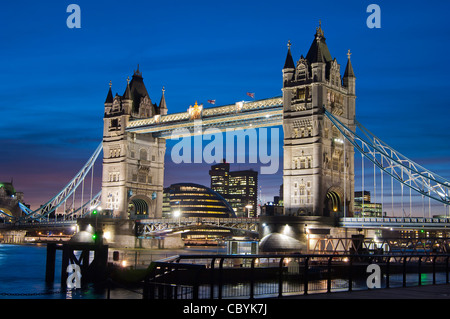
(95, 211)
(248, 207)
(177, 214)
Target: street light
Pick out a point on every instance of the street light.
(97, 234)
(177, 214)
(248, 210)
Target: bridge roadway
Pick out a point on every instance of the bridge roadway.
(251, 224)
(432, 292)
(34, 225)
(395, 222)
(152, 225)
(161, 225)
(242, 115)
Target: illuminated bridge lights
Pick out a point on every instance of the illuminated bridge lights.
(395, 222)
(268, 112)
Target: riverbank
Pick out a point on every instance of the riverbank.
(23, 269)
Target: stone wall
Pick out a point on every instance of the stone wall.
(13, 236)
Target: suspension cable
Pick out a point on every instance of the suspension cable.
(425, 182)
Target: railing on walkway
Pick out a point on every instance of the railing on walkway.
(395, 222)
(260, 276)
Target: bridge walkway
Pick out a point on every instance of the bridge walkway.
(438, 291)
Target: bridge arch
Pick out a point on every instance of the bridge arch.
(5, 213)
(333, 205)
(140, 206)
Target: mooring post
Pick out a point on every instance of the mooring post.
(50, 264)
(64, 264)
(102, 255)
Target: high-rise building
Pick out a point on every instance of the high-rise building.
(363, 207)
(220, 177)
(239, 188)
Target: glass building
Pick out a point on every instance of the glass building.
(239, 188)
(363, 207)
(194, 200)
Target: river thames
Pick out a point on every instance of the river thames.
(22, 273)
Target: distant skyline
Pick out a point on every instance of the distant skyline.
(54, 80)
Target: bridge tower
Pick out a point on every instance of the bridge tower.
(133, 164)
(318, 162)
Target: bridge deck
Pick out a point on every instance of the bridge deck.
(395, 222)
(267, 112)
(440, 291)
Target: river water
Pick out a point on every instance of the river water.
(22, 274)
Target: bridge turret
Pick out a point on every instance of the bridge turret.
(109, 100)
(319, 57)
(142, 106)
(289, 66)
(162, 104)
(109, 97)
(349, 78)
(127, 101)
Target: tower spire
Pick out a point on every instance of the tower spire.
(109, 97)
(162, 103)
(289, 63)
(137, 72)
(349, 68)
(127, 94)
(318, 52)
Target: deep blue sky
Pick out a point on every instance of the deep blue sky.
(54, 80)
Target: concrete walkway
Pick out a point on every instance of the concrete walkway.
(440, 291)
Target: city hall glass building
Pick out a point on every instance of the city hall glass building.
(194, 200)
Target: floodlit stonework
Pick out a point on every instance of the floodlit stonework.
(318, 162)
(133, 164)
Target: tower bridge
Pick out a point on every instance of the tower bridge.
(317, 111)
(241, 115)
(135, 130)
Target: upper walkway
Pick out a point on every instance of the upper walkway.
(241, 115)
(439, 291)
(395, 222)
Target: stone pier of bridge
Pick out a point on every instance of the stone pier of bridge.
(12, 236)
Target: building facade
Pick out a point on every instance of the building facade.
(239, 188)
(133, 164)
(194, 200)
(318, 162)
(363, 206)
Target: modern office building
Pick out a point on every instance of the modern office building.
(363, 207)
(239, 188)
(220, 177)
(166, 210)
(194, 200)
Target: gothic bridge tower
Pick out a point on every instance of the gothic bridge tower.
(133, 164)
(318, 173)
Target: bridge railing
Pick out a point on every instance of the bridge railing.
(197, 219)
(253, 276)
(157, 225)
(395, 222)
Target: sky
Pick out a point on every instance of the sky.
(54, 80)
